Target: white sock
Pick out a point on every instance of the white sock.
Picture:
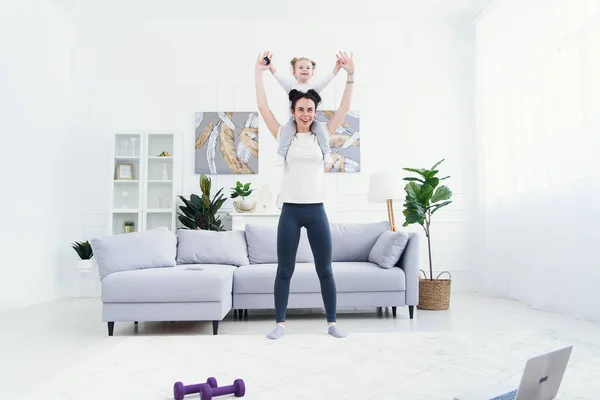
(334, 331)
(277, 333)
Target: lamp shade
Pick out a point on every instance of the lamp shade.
(385, 186)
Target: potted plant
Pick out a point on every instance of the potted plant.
(201, 212)
(85, 253)
(128, 226)
(423, 198)
(243, 191)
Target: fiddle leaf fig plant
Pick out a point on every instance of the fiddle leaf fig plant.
(423, 198)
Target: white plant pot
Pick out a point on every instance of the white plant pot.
(244, 205)
(85, 265)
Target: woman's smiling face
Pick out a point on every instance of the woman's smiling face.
(304, 113)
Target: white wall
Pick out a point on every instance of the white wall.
(37, 211)
(539, 119)
(142, 66)
(148, 70)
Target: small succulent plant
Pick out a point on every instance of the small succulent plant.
(83, 249)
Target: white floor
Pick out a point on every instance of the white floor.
(41, 343)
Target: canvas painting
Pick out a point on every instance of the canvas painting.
(345, 142)
(226, 143)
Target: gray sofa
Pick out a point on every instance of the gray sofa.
(196, 275)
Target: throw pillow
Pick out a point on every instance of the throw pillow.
(353, 242)
(388, 248)
(148, 249)
(262, 245)
(211, 247)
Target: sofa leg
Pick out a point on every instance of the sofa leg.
(411, 310)
(111, 328)
(394, 311)
(246, 315)
(215, 327)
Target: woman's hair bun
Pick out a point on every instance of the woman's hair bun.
(296, 95)
(313, 94)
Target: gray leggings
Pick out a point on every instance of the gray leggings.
(314, 218)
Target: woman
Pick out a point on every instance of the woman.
(302, 194)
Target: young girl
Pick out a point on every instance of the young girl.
(303, 71)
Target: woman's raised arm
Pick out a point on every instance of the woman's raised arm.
(340, 114)
(261, 97)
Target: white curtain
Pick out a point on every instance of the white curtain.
(538, 132)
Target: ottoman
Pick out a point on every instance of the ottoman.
(191, 292)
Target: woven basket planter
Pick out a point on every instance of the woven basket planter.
(434, 294)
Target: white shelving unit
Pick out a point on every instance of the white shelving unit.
(149, 197)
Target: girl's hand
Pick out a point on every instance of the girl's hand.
(338, 66)
(261, 64)
(346, 62)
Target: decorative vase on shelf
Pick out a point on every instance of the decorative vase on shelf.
(264, 196)
(165, 172)
(125, 197)
(133, 140)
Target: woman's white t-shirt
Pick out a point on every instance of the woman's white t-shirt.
(303, 171)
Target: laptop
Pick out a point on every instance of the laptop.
(540, 380)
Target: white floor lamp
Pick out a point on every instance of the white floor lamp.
(386, 187)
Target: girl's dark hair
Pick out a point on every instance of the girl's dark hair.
(311, 94)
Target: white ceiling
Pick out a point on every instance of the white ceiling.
(463, 11)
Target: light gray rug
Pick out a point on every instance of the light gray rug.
(419, 365)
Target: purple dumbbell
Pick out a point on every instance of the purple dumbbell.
(180, 390)
(238, 389)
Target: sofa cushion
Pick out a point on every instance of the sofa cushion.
(353, 242)
(262, 245)
(185, 283)
(349, 277)
(211, 247)
(388, 248)
(128, 251)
